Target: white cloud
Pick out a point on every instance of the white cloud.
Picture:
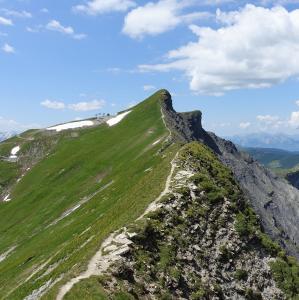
(80, 106)
(55, 25)
(267, 118)
(7, 125)
(97, 7)
(34, 29)
(156, 18)
(255, 47)
(245, 125)
(297, 102)
(16, 14)
(53, 104)
(5, 21)
(148, 87)
(294, 119)
(8, 49)
(87, 106)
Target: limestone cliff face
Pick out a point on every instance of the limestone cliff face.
(274, 200)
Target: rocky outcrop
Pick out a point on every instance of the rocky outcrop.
(274, 200)
(293, 179)
(185, 127)
(189, 248)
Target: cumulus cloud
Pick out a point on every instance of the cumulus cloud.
(16, 14)
(156, 18)
(87, 106)
(5, 21)
(8, 49)
(97, 7)
(148, 87)
(80, 106)
(55, 25)
(245, 125)
(267, 118)
(294, 119)
(254, 47)
(53, 104)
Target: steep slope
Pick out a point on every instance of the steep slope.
(77, 203)
(89, 182)
(274, 200)
(293, 178)
(201, 241)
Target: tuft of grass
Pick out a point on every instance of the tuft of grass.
(241, 274)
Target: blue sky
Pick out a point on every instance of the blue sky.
(236, 61)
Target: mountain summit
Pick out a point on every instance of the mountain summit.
(142, 205)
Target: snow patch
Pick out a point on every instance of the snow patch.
(117, 119)
(6, 199)
(156, 142)
(15, 150)
(72, 125)
(13, 153)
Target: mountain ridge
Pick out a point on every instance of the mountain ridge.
(267, 140)
(89, 182)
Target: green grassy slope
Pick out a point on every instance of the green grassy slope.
(116, 171)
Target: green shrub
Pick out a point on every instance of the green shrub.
(199, 294)
(241, 274)
(272, 247)
(246, 223)
(226, 254)
(286, 275)
(215, 196)
(122, 296)
(250, 294)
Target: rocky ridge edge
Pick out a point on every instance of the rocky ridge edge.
(273, 199)
(189, 247)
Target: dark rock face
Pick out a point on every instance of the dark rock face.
(185, 127)
(293, 179)
(274, 200)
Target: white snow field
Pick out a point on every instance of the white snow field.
(71, 125)
(13, 153)
(117, 119)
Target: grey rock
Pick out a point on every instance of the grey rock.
(273, 198)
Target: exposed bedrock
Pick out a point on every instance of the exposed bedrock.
(273, 198)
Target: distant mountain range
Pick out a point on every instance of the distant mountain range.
(264, 140)
(275, 158)
(6, 135)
